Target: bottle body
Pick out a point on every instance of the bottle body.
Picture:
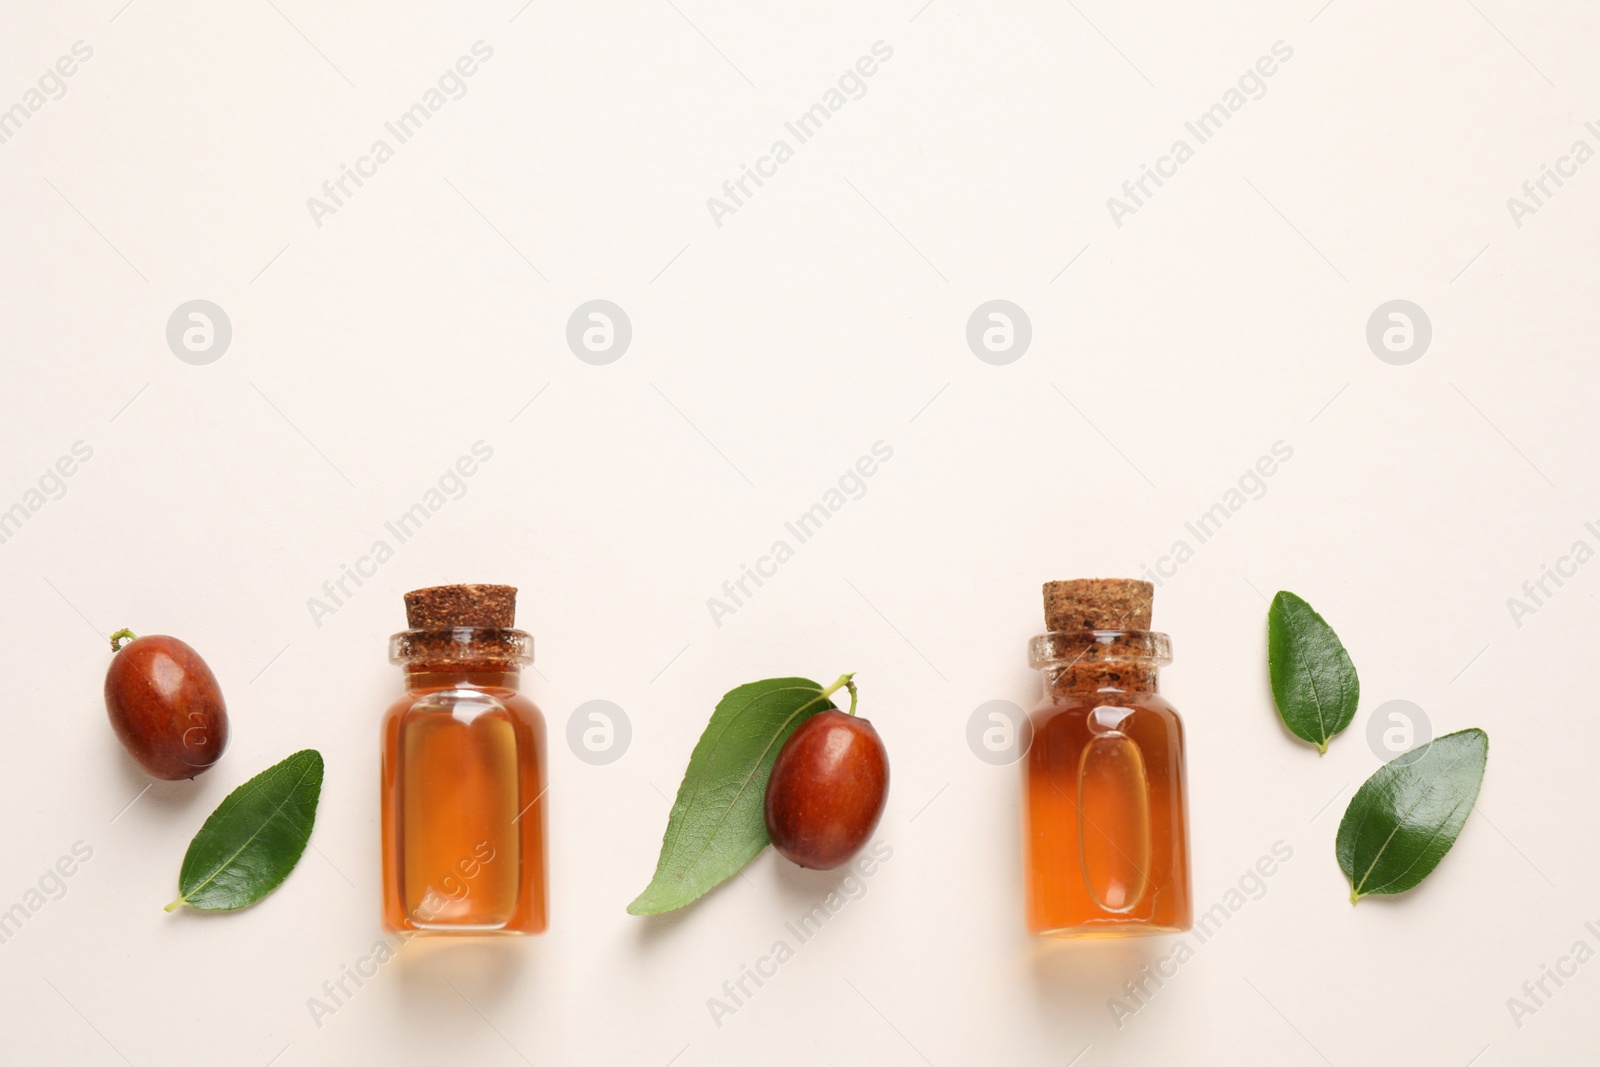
(1105, 809)
(463, 806)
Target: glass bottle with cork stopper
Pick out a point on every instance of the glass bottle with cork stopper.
(1105, 812)
(464, 777)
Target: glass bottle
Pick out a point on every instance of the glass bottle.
(463, 797)
(1105, 812)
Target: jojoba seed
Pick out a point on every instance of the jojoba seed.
(827, 790)
(166, 706)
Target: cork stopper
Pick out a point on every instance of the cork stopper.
(443, 607)
(1098, 604)
(456, 628)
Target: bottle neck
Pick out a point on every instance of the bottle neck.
(463, 655)
(1096, 661)
(1124, 676)
(430, 678)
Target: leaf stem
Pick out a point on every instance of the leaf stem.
(173, 905)
(844, 682)
(116, 638)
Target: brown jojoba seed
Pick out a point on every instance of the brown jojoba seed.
(165, 706)
(827, 791)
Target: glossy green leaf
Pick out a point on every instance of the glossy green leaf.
(718, 823)
(255, 837)
(1314, 684)
(1405, 817)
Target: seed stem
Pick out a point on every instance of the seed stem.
(844, 682)
(118, 637)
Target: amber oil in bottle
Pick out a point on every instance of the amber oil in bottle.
(463, 796)
(1105, 815)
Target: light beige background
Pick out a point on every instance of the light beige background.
(829, 312)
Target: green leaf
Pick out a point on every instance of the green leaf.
(718, 823)
(1314, 684)
(255, 837)
(1405, 817)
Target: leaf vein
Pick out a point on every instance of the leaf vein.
(225, 864)
(727, 809)
(1426, 791)
(1304, 663)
